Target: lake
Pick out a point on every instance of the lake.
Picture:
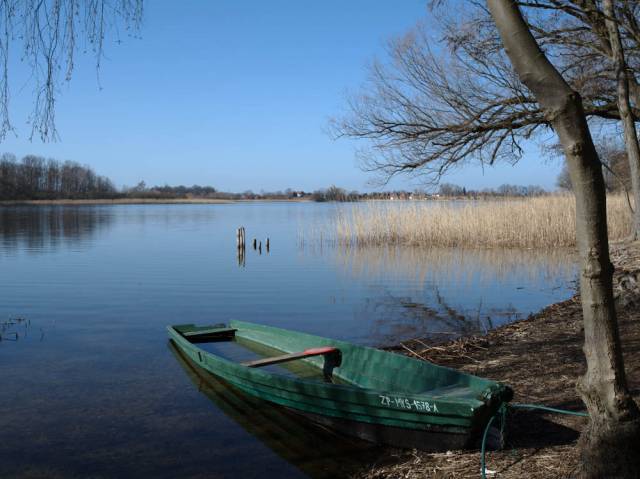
(91, 387)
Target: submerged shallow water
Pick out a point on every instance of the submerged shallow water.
(92, 387)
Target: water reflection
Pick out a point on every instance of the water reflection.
(47, 229)
(458, 264)
(317, 452)
(448, 293)
(394, 317)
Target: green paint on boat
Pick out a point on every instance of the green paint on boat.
(376, 395)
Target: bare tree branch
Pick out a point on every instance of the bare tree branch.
(46, 34)
(424, 112)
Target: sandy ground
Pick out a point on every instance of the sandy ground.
(541, 358)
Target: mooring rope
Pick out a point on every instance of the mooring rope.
(549, 409)
(502, 411)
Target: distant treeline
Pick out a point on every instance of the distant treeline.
(34, 177)
(333, 193)
(506, 190)
(170, 192)
(141, 190)
(445, 190)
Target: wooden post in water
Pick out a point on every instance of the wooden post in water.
(241, 257)
(255, 243)
(240, 236)
(267, 245)
(260, 247)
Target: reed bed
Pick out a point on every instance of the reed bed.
(542, 222)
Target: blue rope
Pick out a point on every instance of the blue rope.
(484, 443)
(502, 411)
(549, 409)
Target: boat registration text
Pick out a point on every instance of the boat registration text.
(405, 403)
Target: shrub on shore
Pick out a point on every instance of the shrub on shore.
(547, 221)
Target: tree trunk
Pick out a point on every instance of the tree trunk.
(624, 107)
(628, 89)
(609, 445)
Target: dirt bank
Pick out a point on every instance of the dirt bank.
(541, 358)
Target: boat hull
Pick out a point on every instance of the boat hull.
(433, 439)
(397, 418)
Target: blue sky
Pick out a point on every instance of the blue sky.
(236, 95)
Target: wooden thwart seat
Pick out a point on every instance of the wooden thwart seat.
(203, 335)
(307, 353)
(210, 331)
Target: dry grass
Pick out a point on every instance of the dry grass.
(530, 223)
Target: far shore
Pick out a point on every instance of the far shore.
(140, 201)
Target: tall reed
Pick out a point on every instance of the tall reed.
(542, 222)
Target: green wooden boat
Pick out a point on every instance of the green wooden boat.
(379, 396)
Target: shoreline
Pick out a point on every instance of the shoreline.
(141, 201)
(541, 358)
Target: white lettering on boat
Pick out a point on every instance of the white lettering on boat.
(405, 403)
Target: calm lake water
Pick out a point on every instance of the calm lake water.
(91, 387)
